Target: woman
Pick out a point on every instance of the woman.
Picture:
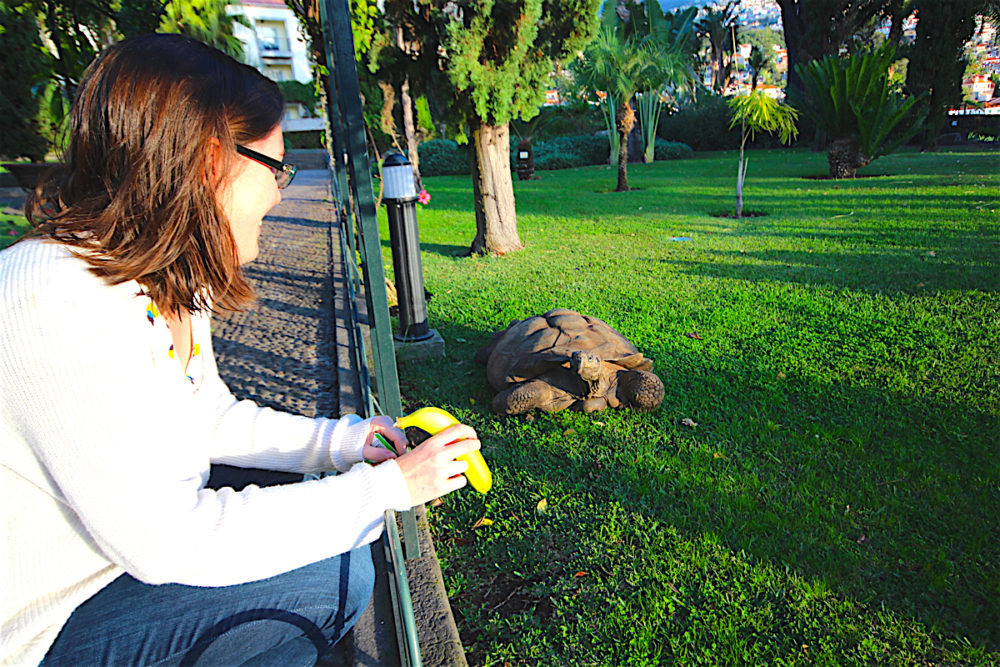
(112, 412)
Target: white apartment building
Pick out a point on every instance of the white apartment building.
(274, 44)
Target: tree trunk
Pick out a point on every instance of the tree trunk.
(791, 21)
(845, 158)
(409, 130)
(896, 29)
(741, 174)
(493, 189)
(625, 120)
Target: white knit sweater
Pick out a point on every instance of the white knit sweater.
(105, 448)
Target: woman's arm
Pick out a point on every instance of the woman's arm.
(248, 435)
(127, 442)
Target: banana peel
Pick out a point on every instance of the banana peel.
(434, 420)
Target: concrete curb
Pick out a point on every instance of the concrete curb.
(440, 644)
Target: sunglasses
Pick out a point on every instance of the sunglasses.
(283, 172)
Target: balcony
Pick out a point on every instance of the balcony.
(271, 44)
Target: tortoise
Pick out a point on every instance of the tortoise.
(562, 359)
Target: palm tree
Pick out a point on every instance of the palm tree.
(852, 101)
(621, 67)
(757, 112)
(206, 21)
(675, 35)
(719, 28)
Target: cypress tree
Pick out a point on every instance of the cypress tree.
(498, 55)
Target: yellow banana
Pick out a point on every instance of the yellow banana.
(434, 420)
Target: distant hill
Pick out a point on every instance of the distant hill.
(671, 5)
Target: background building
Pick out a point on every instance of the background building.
(275, 45)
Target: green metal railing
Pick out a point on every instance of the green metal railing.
(352, 189)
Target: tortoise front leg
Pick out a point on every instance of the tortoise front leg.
(527, 396)
(595, 404)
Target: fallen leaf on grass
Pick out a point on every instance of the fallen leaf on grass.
(483, 522)
(437, 502)
(569, 431)
(690, 423)
(580, 574)
(542, 506)
(781, 375)
(718, 455)
(931, 254)
(693, 334)
(862, 539)
(598, 423)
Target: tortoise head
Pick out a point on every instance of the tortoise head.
(641, 390)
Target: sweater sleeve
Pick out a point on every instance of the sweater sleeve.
(248, 435)
(127, 443)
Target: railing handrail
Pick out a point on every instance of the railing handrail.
(352, 188)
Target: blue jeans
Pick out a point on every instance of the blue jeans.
(290, 619)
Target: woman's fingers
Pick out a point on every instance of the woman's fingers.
(396, 436)
(378, 454)
(453, 434)
(431, 469)
(392, 435)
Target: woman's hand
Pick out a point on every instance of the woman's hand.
(385, 427)
(430, 469)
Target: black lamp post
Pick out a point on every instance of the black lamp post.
(399, 192)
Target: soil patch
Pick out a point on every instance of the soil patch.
(732, 214)
(828, 177)
(604, 192)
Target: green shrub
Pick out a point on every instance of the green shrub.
(305, 139)
(704, 125)
(21, 67)
(443, 157)
(671, 150)
(303, 93)
(591, 148)
(557, 159)
(567, 152)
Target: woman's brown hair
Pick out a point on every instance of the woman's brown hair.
(154, 119)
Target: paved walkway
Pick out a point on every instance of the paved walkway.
(279, 353)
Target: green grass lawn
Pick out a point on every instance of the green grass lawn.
(838, 500)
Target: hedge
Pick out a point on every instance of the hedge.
(704, 126)
(671, 150)
(442, 157)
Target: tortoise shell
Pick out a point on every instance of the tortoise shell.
(528, 348)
